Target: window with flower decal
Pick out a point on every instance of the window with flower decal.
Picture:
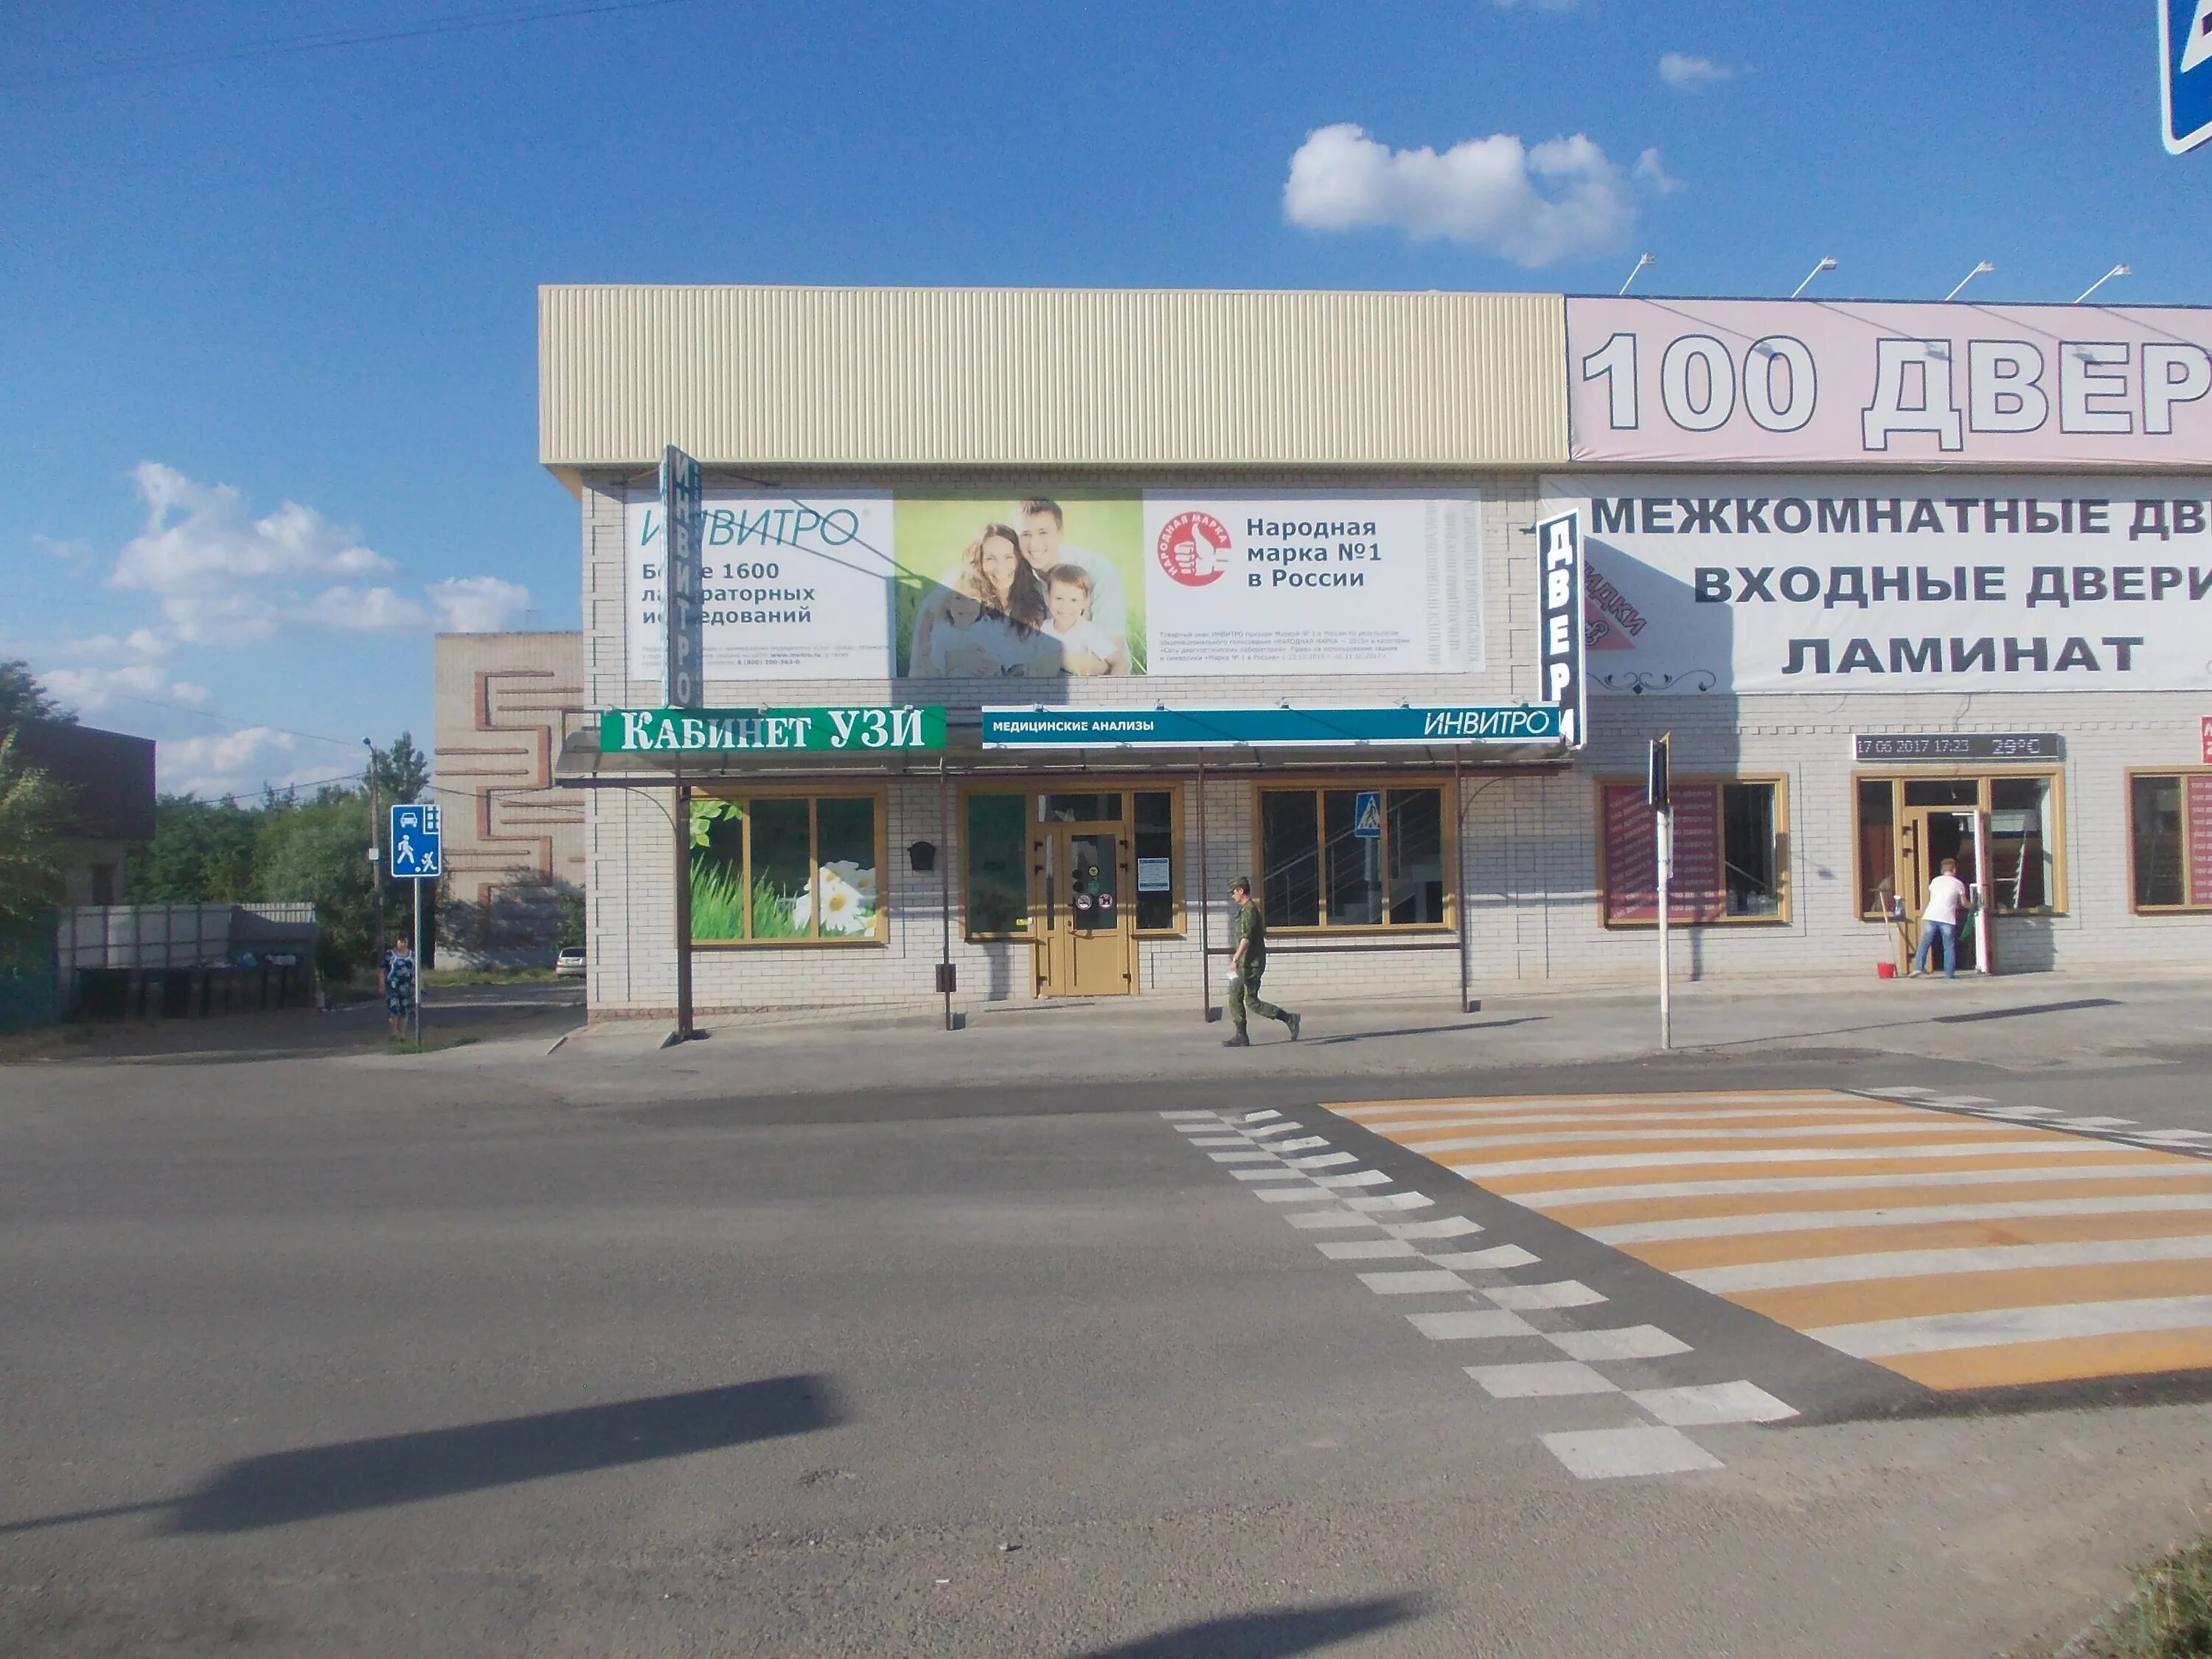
(774, 869)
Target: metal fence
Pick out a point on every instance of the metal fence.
(30, 988)
(156, 961)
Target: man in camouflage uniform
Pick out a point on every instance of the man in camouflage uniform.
(1246, 964)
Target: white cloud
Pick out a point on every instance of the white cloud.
(1534, 204)
(1653, 177)
(104, 670)
(222, 577)
(477, 604)
(238, 763)
(1687, 74)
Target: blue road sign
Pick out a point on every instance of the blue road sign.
(2184, 72)
(416, 842)
(1367, 815)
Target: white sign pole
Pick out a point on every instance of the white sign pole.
(1984, 888)
(1666, 845)
(418, 964)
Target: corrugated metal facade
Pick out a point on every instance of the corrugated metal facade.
(979, 377)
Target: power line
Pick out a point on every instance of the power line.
(329, 41)
(223, 719)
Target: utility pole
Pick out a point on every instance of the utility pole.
(1656, 792)
(376, 852)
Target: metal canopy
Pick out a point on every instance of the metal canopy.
(583, 765)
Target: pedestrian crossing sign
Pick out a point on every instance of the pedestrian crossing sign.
(1367, 815)
(2185, 72)
(416, 843)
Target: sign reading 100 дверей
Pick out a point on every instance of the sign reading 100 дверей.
(1203, 728)
(712, 730)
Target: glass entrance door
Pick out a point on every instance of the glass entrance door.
(1085, 933)
(1928, 835)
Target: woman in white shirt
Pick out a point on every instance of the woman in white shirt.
(1939, 921)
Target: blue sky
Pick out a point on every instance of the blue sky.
(286, 302)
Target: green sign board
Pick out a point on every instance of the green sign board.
(1258, 728)
(726, 731)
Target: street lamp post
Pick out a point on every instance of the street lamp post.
(1827, 263)
(1980, 269)
(2117, 270)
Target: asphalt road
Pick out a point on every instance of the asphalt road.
(315, 1355)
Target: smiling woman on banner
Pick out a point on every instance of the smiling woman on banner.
(990, 622)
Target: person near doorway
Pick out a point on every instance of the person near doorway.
(1939, 921)
(399, 985)
(1246, 963)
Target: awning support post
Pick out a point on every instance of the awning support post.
(681, 822)
(1459, 879)
(945, 887)
(1205, 937)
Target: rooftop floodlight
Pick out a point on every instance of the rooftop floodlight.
(1827, 263)
(2117, 270)
(1980, 269)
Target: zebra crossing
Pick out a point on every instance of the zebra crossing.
(1958, 1242)
(1532, 1339)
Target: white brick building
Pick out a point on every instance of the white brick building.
(927, 416)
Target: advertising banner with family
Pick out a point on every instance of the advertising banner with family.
(853, 584)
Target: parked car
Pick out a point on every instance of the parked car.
(570, 965)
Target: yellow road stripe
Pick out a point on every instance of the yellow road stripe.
(2066, 1359)
(2120, 1183)
(1681, 1255)
(1811, 1307)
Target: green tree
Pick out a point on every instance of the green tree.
(202, 854)
(399, 773)
(31, 860)
(23, 698)
(311, 851)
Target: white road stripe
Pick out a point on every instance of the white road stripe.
(1363, 1249)
(1450, 1226)
(1525, 1103)
(1324, 1161)
(1978, 1148)
(1359, 1178)
(1616, 1453)
(1540, 1378)
(1470, 1324)
(1251, 1155)
(1901, 1089)
(1496, 1257)
(1391, 1201)
(1420, 1282)
(1893, 1215)
(1260, 1117)
(1262, 1131)
(1278, 1173)
(1332, 1218)
(1850, 1111)
(1724, 1186)
(1920, 1264)
(1622, 1342)
(1220, 1140)
(1302, 1144)
(1922, 1125)
(1997, 1327)
(1707, 1403)
(1564, 1293)
(1305, 1192)
(2173, 1136)
(2093, 1122)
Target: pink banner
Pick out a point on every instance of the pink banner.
(1754, 382)
(1697, 891)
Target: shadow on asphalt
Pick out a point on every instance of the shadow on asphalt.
(353, 1475)
(1430, 1030)
(1268, 1635)
(2022, 1014)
